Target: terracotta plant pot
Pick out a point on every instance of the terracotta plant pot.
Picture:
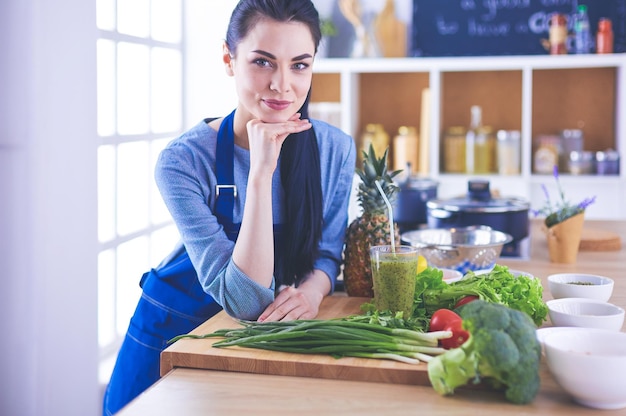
(564, 239)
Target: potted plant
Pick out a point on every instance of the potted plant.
(329, 30)
(563, 223)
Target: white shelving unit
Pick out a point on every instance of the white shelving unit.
(609, 190)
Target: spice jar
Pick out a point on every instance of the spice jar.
(581, 163)
(607, 162)
(571, 141)
(604, 37)
(454, 150)
(546, 154)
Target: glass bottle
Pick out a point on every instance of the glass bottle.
(470, 137)
(480, 146)
(558, 34)
(604, 37)
(582, 33)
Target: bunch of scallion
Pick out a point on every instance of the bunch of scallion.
(335, 337)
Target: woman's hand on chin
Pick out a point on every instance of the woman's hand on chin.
(266, 139)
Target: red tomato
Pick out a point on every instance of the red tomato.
(464, 300)
(442, 318)
(459, 335)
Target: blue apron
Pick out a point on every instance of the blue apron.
(172, 301)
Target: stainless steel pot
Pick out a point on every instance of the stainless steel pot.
(478, 207)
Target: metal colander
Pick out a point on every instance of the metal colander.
(461, 248)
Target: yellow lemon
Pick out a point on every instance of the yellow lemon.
(421, 264)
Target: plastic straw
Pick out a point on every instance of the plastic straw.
(390, 212)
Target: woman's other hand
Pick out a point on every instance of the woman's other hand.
(300, 302)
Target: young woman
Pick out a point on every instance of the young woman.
(260, 198)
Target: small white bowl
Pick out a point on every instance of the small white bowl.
(589, 364)
(586, 313)
(518, 273)
(451, 275)
(578, 285)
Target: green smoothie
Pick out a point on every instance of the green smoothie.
(393, 278)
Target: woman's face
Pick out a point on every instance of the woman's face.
(272, 69)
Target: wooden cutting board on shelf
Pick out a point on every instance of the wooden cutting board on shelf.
(594, 239)
(391, 32)
(199, 353)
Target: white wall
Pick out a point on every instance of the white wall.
(209, 92)
(48, 302)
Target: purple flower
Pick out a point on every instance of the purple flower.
(562, 209)
(586, 202)
(546, 193)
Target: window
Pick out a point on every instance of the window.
(140, 109)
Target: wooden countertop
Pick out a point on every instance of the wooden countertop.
(193, 391)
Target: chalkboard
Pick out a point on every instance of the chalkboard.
(500, 27)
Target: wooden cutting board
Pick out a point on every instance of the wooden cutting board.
(594, 239)
(199, 353)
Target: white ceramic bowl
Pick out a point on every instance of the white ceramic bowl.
(578, 285)
(518, 273)
(586, 313)
(589, 364)
(451, 275)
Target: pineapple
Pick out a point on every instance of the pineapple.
(372, 227)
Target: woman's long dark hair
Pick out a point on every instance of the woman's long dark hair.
(300, 158)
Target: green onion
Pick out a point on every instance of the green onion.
(335, 337)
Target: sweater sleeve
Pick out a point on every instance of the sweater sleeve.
(337, 162)
(185, 177)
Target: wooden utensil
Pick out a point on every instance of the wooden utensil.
(390, 32)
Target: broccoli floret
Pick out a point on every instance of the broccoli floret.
(502, 351)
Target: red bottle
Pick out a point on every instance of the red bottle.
(604, 37)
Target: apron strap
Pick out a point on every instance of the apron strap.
(225, 190)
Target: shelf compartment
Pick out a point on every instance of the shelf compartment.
(577, 98)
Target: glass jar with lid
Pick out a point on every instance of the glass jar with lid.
(571, 141)
(508, 151)
(546, 156)
(454, 150)
(607, 162)
(581, 162)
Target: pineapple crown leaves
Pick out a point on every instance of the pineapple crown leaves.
(375, 169)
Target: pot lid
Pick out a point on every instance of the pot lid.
(479, 199)
(418, 183)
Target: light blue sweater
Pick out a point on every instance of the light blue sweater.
(185, 175)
